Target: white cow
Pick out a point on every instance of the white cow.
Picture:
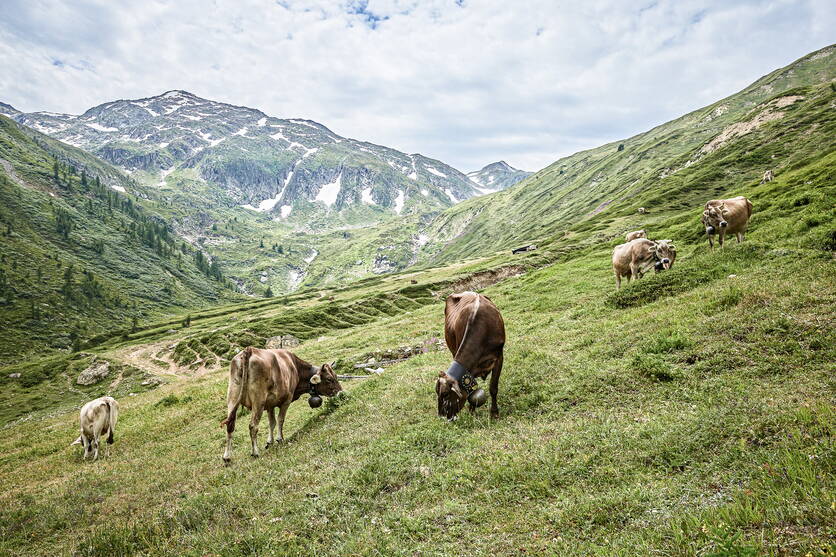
(98, 417)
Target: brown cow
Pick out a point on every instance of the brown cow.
(726, 216)
(635, 258)
(265, 379)
(475, 335)
(637, 234)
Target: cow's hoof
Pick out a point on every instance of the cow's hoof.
(267, 446)
(255, 455)
(227, 461)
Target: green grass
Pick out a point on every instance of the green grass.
(690, 413)
(697, 422)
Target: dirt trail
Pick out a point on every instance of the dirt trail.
(149, 357)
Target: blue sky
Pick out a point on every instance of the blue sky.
(468, 82)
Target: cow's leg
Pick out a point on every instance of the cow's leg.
(232, 414)
(617, 281)
(86, 444)
(721, 237)
(258, 408)
(95, 447)
(635, 272)
(282, 414)
(739, 237)
(271, 418)
(494, 388)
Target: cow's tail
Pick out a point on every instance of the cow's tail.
(748, 208)
(248, 351)
(112, 416)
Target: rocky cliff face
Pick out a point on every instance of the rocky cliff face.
(262, 163)
(497, 176)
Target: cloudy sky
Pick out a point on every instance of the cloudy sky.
(464, 81)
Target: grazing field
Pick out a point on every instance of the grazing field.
(689, 413)
(680, 416)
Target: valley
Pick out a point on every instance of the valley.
(689, 413)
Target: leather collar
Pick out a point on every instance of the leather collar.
(463, 376)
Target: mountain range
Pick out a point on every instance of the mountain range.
(284, 167)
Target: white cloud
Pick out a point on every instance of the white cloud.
(468, 84)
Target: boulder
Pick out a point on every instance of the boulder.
(282, 341)
(97, 371)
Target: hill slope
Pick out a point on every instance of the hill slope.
(776, 123)
(80, 258)
(688, 414)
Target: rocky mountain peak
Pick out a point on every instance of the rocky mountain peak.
(497, 176)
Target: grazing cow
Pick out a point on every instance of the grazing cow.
(475, 335)
(637, 234)
(726, 216)
(642, 210)
(97, 417)
(265, 379)
(635, 258)
(767, 177)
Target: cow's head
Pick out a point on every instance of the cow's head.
(325, 381)
(640, 233)
(665, 254)
(714, 217)
(451, 397)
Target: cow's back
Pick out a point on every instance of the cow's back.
(472, 313)
(740, 209)
(94, 418)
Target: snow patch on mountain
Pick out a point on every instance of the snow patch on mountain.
(101, 128)
(399, 201)
(366, 196)
(329, 192)
(432, 170)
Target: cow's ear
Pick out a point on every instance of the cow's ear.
(316, 378)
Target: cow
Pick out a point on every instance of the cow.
(637, 234)
(263, 379)
(768, 176)
(97, 417)
(638, 256)
(642, 210)
(726, 216)
(475, 334)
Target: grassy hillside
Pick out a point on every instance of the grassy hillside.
(79, 258)
(690, 413)
(779, 122)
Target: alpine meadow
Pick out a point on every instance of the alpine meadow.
(198, 261)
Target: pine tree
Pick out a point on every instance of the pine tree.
(268, 293)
